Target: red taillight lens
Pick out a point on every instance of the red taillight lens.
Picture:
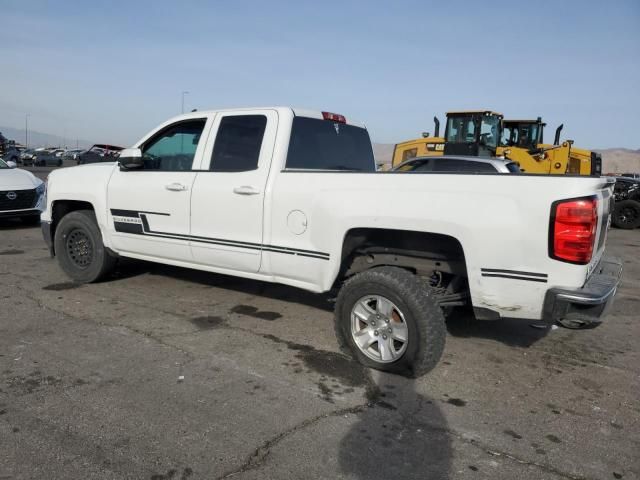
(573, 234)
(334, 117)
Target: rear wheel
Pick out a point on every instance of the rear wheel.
(389, 320)
(79, 247)
(626, 214)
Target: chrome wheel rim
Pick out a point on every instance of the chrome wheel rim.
(379, 329)
(79, 248)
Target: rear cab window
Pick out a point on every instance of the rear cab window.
(317, 144)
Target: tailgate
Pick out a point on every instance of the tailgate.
(604, 221)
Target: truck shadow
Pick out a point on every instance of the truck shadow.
(512, 332)
(404, 436)
(130, 268)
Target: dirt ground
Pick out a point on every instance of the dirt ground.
(166, 373)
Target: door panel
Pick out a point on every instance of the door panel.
(149, 208)
(228, 200)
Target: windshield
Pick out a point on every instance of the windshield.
(523, 135)
(489, 128)
(326, 145)
(461, 129)
(2, 164)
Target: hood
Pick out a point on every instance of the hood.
(17, 179)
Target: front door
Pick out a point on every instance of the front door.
(228, 195)
(149, 207)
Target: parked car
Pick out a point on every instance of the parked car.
(454, 164)
(72, 154)
(631, 175)
(100, 152)
(626, 212)
(46, 158)
(27, 156)
(22, 194)
(292, 196)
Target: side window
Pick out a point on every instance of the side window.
(453, 165)
(238, 143)
(417, 166)
(173, 148)
(410, 153)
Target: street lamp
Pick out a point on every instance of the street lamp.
(26, 131)
(183, 94)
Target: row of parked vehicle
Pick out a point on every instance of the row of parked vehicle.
(55, 157)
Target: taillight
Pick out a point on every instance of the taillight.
(334, 117)
(573, 230)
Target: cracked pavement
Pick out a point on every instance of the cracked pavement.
(167, 373)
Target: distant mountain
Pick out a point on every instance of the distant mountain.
(620, 160)
(40, 139)
(383, 152)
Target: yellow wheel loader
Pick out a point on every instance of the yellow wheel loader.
(475, 133)
(485, 133)
(522, 142)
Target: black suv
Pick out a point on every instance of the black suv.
(626, 212)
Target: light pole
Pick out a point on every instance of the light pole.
(183, 94)
(26, 131)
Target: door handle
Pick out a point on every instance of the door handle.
(246, 190)
(175, 187)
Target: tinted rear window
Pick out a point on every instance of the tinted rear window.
(325, 145)
(455, 165)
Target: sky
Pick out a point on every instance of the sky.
(109, 71)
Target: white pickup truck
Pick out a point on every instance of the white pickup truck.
(292, 196)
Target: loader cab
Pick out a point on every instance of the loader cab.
(526, 134)
(475, 133)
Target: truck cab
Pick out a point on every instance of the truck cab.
(474, 133)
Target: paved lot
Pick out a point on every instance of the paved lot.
(166, 373)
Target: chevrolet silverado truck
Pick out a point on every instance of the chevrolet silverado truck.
(292, 196)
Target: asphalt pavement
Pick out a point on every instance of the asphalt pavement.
(167, 373)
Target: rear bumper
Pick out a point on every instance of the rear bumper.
(589, 304)
(46, 234)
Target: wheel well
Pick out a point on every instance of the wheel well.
(60, 208)
(423, 253)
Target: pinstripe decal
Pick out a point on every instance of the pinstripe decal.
(514, 275)
(136, 223)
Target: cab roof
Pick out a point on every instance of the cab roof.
(523, 121)
(466, 112)
(298, 112)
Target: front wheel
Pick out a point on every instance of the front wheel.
(79, 248)
(626, 214)
(389, 320)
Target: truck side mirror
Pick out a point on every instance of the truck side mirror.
(131, 159)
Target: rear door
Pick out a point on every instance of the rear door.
(149, 207)
(227, 204)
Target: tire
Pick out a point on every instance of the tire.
(79, 248)
(59, 163)
(412, 304)
(31, 219)
(626, 214)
